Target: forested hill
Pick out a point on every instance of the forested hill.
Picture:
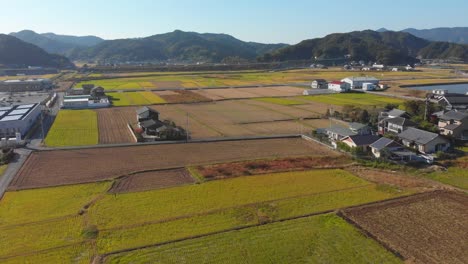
(15, 52)
(388, 47)
(175, 46)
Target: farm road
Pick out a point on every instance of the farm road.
(13, 168)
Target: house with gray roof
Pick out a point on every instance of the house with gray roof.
(395, 125)
(454, 101)
(337, 133)
(454, 124)
(384, 144)
(360, 141)
(423, 141)
(146, 113)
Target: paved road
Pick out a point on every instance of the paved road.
(12, 169)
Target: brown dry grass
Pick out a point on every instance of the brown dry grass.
(425, 228)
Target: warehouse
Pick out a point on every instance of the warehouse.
(25, 85)
(358, 82)
(18, 119)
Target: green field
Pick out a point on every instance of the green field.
(279, 101)
(318, 239)
(455, 176)
(148, 80)
(135, 98)
(73, 128)
(77, 254)
(356, 99)
(57, 217)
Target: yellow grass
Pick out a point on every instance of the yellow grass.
(73, 128)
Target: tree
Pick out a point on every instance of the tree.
(364, 117)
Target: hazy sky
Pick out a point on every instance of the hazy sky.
(252, 20)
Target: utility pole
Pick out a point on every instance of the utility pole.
(187, 128)
(42, 125)
(426, 108)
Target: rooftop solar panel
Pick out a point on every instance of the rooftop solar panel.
(18, 112)
(11, 118)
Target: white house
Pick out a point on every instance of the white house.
(358, 82)
(368, 87)
(319, 84)
(424, 141)
(384, 144)
(338, 86)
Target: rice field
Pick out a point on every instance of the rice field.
(356, 99)
(280, 101)
(318, 239)
(135, 98)
(73, 128)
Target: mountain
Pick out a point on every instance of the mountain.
(15, 52)
(455, 35)
(56, 44)
(389, 47)
(382, 30)
(176, 46)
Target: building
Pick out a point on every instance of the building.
(358, 82)
(395, 125)
(361, 142)
(319, 84)
(423, 141)
(393, 113)
(368, 87)
(29, 85)
(145, 113)
(338, 86)
(337, 133)
(89, 96)
(384, 144)
(453, 101)
(454, 124)
(18, 119)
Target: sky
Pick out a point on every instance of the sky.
(266, 21)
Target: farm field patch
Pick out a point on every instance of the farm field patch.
(182, 96)
(424, 228)
(314, 239)
(26, 206)
(280, 101)
(233, 169)
(135, 98)
(81, 253)
(356, 99)
(73, 128)
(22, 239)
(44, 169)
(111, 211)
(152, 180)
(456, 176)
(113, 125)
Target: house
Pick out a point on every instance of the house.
(393, 113)
(454, 124)
(395, 125)
(337, 133)
(384, 144)
(424, 141)
(360, 141)
(378, 67)
(453, 101)
(357, 82)
(368, 87)
(146, 113)
(338, 86)
(319, 84)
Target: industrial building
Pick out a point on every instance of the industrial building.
(338, 86)
(86, 97)
(358, 82)
(18, 119)
(25, 85)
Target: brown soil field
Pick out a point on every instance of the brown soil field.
(146, 181)
(61, 167)
(166, 92)
(231, 93)
(167, 84)
(317, 107)
(184, 96)
(206, 93)
(112, 123)
(234, 169)
(425, 228)
(275, 128)
(275, 91)
(63, 86)
(293, 111)
(196, 128)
